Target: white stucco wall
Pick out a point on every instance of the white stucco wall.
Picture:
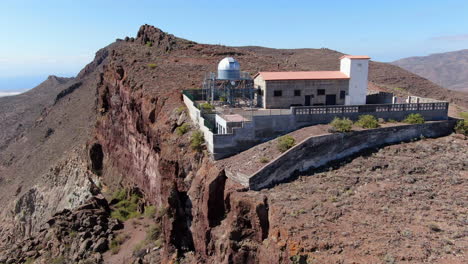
(357, 70)
(194, 114)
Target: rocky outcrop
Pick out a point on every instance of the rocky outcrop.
(137, 106)
(69, 236)
(65, 186)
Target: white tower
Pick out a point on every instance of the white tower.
(357, 68)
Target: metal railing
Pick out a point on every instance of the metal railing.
(344, 109)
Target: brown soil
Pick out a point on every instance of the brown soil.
(405, 203)
(136, 230)
(250, 161)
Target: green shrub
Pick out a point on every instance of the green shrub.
(59, 260)
(180, 109)
(181, 130)
(197, 140)
(464, 115)
(368, 121)
(414, 119)
(342, 124)
(263, 160)
(127, 208)
(152, 65)
(153, 233)
(150, 211)
(29, 261)
(462, 127)
(207, 107)
(119, 195)
(149, 44)
(391, 121)
(285, 142)
(222, 99)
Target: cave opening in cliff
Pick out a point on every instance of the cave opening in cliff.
(181, 237)
(216, 203)
(96, 156)
(105, 100)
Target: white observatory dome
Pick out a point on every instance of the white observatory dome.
(228, 69)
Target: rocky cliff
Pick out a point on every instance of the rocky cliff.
(113, 126)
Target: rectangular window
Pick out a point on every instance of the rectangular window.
(297, 92)
(342, 94)
(320, 91)
(277, 93)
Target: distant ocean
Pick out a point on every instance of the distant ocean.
(16, 85)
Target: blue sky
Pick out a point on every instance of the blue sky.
(40, 38)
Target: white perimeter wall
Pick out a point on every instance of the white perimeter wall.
(357, 70)
(200, 121)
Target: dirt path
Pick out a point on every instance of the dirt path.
(136, 230)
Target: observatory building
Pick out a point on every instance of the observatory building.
(348, 86)
(235, 112)
(230, 85)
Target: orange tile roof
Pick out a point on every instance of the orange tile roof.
(303, 75)
(357, 57)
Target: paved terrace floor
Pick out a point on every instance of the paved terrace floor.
(245, 111)
(249, 161)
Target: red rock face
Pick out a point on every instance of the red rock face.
(137, 115)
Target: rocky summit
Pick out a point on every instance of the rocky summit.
(94, 170)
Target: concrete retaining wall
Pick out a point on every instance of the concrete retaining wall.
(265, 127)
(317, 151)
(200, 121)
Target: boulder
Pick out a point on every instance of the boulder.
(101, 245)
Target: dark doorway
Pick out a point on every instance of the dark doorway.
(330, 99)
(307, 100)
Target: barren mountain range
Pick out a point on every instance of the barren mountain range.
(67, 145)
(449, 69)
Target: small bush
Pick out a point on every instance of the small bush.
(127, 208)
(462, 127)
(285, 142)
(197, 140)
(153, 233)
(207, 107)
(149, 44)
(368, 121)
(391, 121)
(181, 130)
(180, 109)
(59, 260)
(152, 65)
(119, 195)
(29, 261)
(464, 115)
(414, 119)
(263, 160)
(222, 99)
(150, 211)
(342, 124)
(117, 242)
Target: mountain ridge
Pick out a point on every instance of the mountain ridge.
(448, 69)
(117, 130)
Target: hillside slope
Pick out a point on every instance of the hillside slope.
(116, 129)
(449, 69)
